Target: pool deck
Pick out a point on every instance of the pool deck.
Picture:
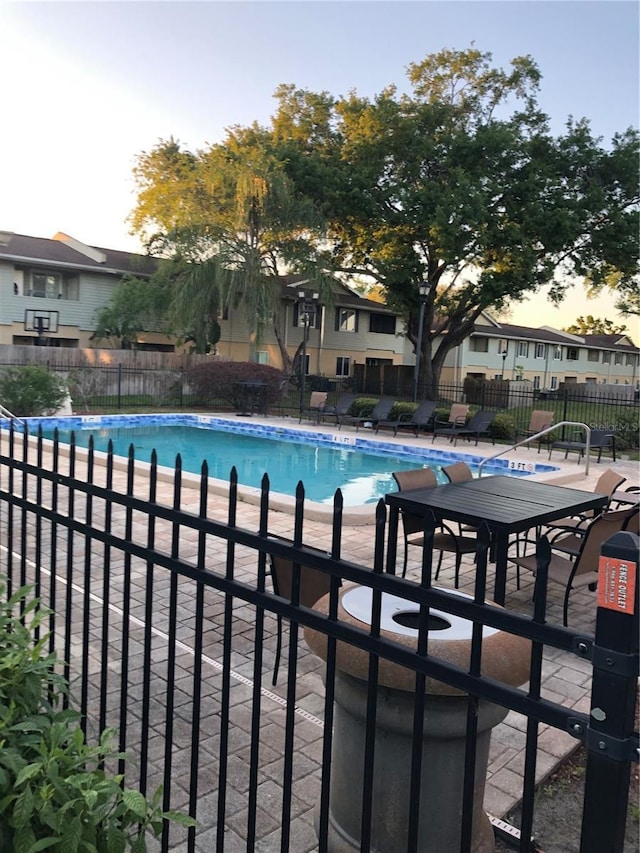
(566, 677)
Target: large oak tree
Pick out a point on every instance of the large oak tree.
(461, 184)
(457, 182)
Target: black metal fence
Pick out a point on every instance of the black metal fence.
(117, 387)
(164, 610)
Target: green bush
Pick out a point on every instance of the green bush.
(31, 391)
(404, 411)
(54, 793)
(504, 426)
(362, 407)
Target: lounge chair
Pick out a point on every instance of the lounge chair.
(380, 412)
(479, 425)
(413, 525)
(600, 439)
(417, 421)
(582, 570)
(345, 401)
(315, 408)
(458, 414)
(540, 419)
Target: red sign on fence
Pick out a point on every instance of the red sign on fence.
(617, 584)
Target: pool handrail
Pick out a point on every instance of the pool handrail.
(9, 416)
(538, 435)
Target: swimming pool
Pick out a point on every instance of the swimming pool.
(323, 460)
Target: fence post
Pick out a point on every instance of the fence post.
(610, 741)
(119, 386)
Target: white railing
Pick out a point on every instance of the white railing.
(9, 416)
(537, 436)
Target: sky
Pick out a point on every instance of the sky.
(89, 86)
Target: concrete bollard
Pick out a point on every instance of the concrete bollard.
(504, 658)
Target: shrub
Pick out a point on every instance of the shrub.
(31, 391)
(405, 411)
(218, 381)
(54, 792)
(503, 426)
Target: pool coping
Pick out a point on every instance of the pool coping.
(361, 515)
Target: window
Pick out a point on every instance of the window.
(557, 353)
(346, 320)
(591, 380)
(479, 344)
(343, 365)
(593, 355)
(52, 285)
(503, 346)
(384, 324)
(45, 285)
(606, 357)
(618, 357)
(377, 362)
(631, 360)
(262, 356)
(570, 380)
(554, 383)
(536, 383)
(523, 348)
(541, 350)
(572, 354)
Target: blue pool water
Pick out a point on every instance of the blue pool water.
(323, 461)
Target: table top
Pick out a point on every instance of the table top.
(512, 504)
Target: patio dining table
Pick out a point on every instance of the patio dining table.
(508, 505)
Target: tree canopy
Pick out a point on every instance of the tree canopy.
(457, 182)
(460, 184)
(232, 214)
(591, 325)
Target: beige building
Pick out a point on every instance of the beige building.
(61, 283)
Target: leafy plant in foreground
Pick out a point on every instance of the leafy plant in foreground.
(54, 791)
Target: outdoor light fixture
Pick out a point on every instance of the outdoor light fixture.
(504, 354)
(424, 288)
(307, 307)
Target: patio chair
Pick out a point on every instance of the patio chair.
(601, 439)
(630, 496)
(458, 414)
(540, 419)
(316, 406)
(314, 585)
(345, 401)
(607, 483)
(420, 419)
(380, 412)
(582, 570)
(445, 540)
(479, 425)
(458, 472)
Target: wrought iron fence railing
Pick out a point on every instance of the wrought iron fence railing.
(162, 607)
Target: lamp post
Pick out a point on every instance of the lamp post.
(307, 306)
(423, 289)
(504, 354)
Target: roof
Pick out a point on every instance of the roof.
(545, 334)
(64, 251)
